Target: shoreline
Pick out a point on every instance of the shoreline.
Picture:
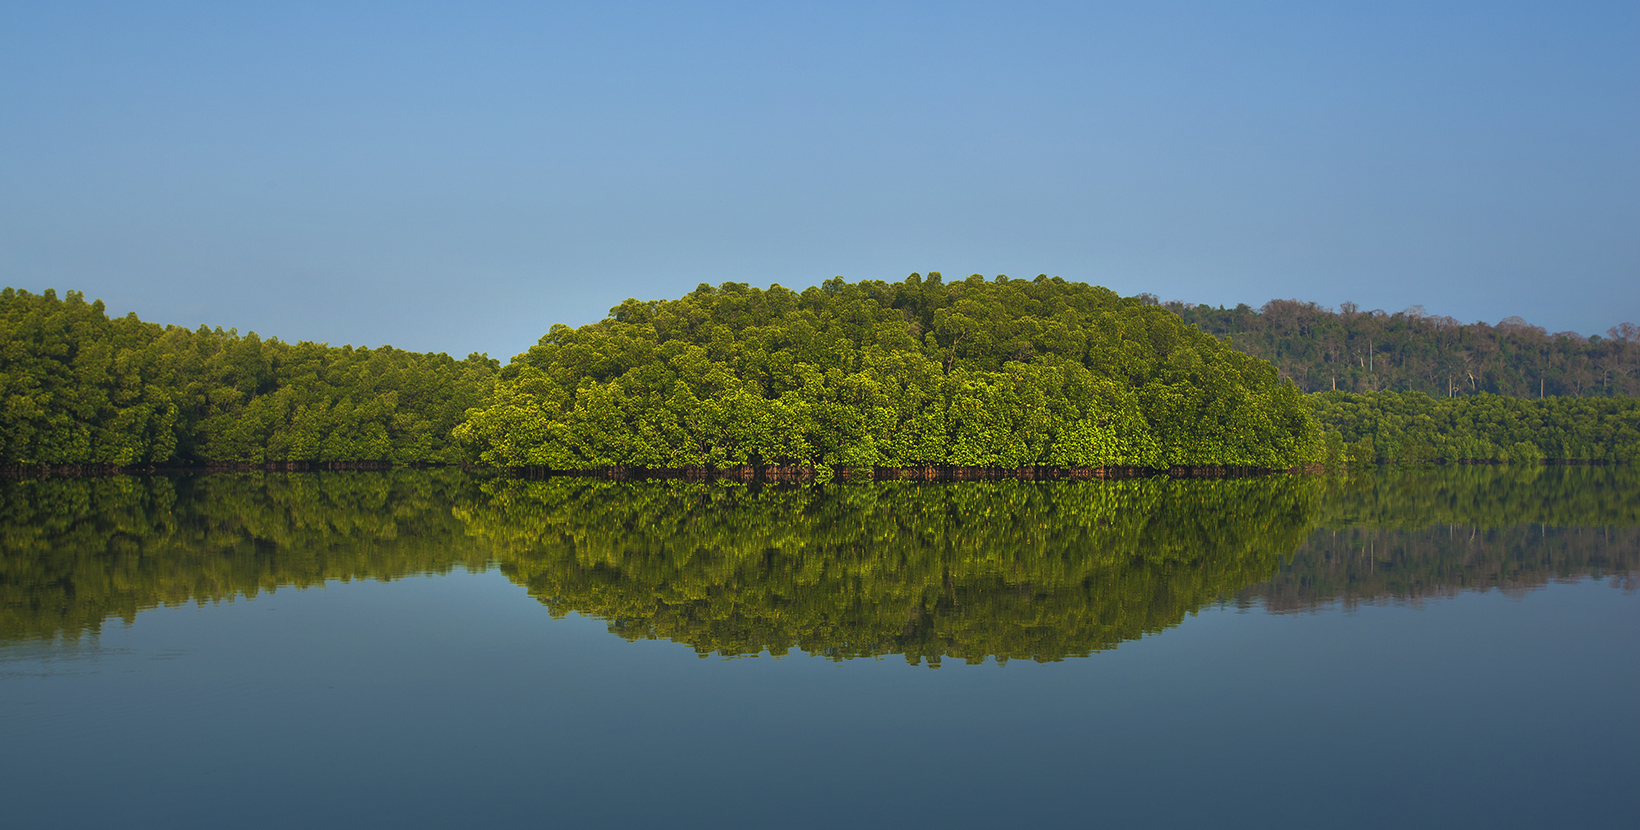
(776, 473)
(767, 473)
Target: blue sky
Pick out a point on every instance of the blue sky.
(458, 177)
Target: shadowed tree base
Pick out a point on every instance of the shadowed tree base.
(61, 470)
(802, 472)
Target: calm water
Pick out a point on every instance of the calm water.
(1440, 648)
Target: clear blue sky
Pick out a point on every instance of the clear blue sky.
(458, 177)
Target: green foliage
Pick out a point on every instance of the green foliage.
(1413, 428)
(921, 372)
(80, 388)
(844, 376)
(1409, 351)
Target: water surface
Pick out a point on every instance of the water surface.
(1444, 647)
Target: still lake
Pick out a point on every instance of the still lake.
(1440, 647)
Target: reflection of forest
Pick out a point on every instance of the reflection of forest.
(1418, 533)
(77, 551)
(1005, 569)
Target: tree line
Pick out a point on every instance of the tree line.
(971, 373)
(82, 388)
(1351, 350)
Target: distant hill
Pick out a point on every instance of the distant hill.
(1370, 351)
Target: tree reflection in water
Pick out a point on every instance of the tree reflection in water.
(998, 569)
(1005, 570)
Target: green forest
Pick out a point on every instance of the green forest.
(82, 388)
(968, 571)
(922, 373)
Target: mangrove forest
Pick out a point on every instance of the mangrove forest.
(921, 374)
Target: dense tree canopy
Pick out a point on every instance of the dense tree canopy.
(921, 372)
(81, 388)
(985, 373)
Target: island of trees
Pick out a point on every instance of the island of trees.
(975, 373)
(921, 374)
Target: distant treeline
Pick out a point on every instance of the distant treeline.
(1370, 351)
(81, 388)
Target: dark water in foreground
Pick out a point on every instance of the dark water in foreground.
(1447, 647)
